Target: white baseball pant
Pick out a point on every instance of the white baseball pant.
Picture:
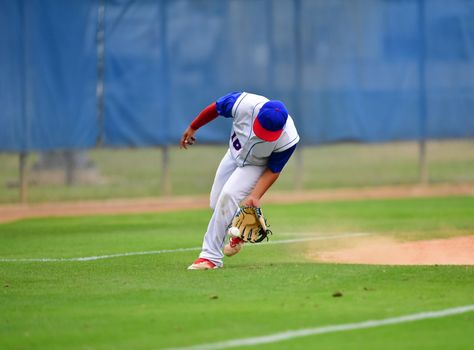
(231, 185)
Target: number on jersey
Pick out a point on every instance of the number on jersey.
(236, 142)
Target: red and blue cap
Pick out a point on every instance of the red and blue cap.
(270, 121)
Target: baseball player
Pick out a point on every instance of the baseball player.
(262, 140)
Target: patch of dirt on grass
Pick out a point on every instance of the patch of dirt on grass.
(387, 251)
(12, 212)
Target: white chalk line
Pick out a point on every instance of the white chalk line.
(282, 336)
(178, 250)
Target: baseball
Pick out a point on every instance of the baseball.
(234, 231)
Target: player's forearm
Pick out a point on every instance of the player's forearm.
(207, 115)
(264, 183)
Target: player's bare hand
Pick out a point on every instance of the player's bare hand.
(251, 201)
(188, 138)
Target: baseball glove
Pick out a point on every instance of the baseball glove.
(251, 224)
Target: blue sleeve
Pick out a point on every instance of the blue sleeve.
(278, 160)
(225, 103)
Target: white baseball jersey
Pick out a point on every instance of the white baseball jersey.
(245, 147)
(244, 163)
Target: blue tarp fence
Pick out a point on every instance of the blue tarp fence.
(133, 73)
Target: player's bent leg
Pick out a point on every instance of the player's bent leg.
(215, 236)
(223, 172)
(242, 183)
(236, 188)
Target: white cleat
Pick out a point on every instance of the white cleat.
(202, 264)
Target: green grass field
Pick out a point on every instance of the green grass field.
(137, 172)
(153, 302)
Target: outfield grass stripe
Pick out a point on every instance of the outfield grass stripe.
(178, 250)
(278, 337)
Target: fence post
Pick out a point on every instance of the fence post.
(100, 69)
(69, 167)
(23, 177)
(299, 85)
(166, 187)
(423, 115)
(422, 162)
(299, 169)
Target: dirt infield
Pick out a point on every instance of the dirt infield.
(146, 205)
(387, 251)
